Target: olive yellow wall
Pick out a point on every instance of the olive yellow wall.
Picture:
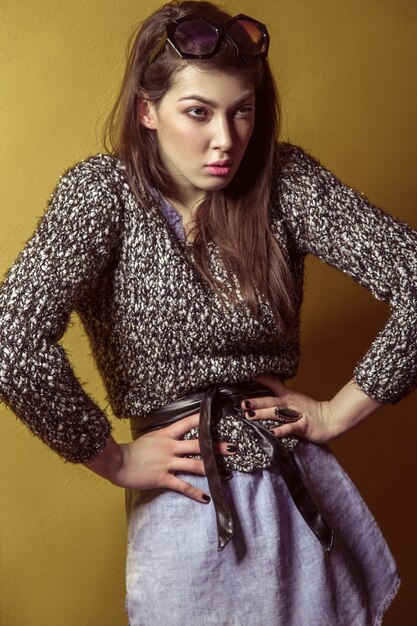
(347, 72)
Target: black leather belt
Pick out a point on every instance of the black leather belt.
(211, 400)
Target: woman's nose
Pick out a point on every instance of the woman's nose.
(223, 135)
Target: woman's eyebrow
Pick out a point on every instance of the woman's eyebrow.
(211, 103)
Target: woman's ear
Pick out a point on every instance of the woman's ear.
(147, 114)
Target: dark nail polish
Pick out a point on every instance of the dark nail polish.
(247, 404)
(231, 448)
(251, 413)
(226, 474)
(206, 498)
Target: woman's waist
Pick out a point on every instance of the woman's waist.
(229, 398)
(141, 388)
(222, 417)
(228, 423)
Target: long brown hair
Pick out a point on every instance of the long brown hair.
(237, 217)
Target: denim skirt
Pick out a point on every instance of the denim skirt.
(274, 572)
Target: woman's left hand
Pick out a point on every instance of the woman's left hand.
(316, 424)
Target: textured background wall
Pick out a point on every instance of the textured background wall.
(347, 72)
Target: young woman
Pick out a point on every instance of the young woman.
(182, 252)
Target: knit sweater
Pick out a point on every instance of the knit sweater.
(157, 330)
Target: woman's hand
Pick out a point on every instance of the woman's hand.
(320, 421)
(152, 460)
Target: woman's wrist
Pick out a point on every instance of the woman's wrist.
(350, 406)
(108, 462)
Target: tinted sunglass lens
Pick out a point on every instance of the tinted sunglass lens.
(248, 37)
(195, 37)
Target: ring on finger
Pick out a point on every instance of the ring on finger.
(287, 415)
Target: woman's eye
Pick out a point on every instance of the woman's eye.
(197, 112)
(245, 111)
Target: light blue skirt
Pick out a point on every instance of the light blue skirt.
(274, 572)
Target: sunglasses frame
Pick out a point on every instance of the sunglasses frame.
(220, 30)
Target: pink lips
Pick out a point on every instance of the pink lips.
(219, 168)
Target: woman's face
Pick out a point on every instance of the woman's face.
(203, 124)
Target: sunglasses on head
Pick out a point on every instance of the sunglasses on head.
(194, 37)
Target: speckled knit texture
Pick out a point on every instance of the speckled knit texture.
(157, 331)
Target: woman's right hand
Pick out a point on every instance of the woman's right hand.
(152, 460)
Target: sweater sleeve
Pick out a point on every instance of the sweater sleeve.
(339, 225)
(67, 252)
